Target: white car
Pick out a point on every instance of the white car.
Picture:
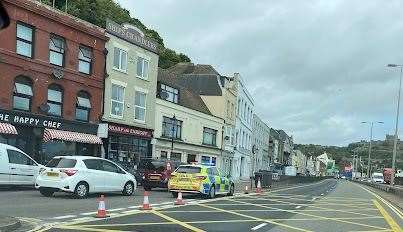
(16, 167)
(82, 175)
(377, 177)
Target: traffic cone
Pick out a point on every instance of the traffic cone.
(259, 187)
(146, 204)
(179, 200)
(101, 208)
(246, 189)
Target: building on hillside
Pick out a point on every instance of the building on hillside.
(274, 149)
(299, 160)
(261, 158)
(185, 129)
(130, 90)
(286, 148)
(310, 166)
(219, 94)
(328, 163)
(52, 73)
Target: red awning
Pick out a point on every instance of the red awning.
(7, 128)
(50, 134)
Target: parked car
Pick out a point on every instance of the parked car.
(16, 167)
(156, 173)
(377, 177)
(200, 179)
(82, 175)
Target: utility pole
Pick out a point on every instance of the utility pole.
(370, 146)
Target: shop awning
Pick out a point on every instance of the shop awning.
(7, 128)
(50, 134)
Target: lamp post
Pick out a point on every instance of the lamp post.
(392, 178)
(370, 147)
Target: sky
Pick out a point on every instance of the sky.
(316, 68)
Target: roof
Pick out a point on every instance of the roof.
(190, 68)
(203, 84)
(187, 97)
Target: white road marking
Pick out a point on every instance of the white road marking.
(321, 194)
(134, 207)
(299, 206)
(82, 218)
(131, 211)
(113, 210)
(259, 226)
(314, 198)
(65, 216)
(89, 213)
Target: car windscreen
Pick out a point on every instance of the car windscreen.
(61, 163)
(188, 169)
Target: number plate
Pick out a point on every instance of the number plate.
(154, 178)
(52, 174)
(184, 179)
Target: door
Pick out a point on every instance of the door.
(219, 187)
(114, 177)
(23, 169)
(224, 181)
(96, 176)
(4, 169)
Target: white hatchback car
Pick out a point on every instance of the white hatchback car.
(82, 175)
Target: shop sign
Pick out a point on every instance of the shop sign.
(29, 121)
(130, 131)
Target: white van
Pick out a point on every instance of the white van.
(16, 167)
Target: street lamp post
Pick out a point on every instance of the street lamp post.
(392, 178)
(370, 147)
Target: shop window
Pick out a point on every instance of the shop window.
(85, 60)
(119, 59)
(171, 128)
(117, 100)
(55, 100)
(140, 106)
(191, 158)
(57, 46)
(25, 39)
(164, 155)
(83, 106)
(142, 68)
(209, 136)
(22, 95)
(176, 156)
(170, 94)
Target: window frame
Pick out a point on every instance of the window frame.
(163, 87)
(211, 131)
(141, 107)
(120, 59)
(83, 107)
(82, 60)
(55, 87)
(64, 49)
(32, 43)
(21, 95)
(179, 124)
(144, 59)
(121, 102)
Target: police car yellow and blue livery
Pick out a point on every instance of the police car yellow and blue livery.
(201, 179)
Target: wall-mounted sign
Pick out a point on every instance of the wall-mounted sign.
(120, 129)
(131, 36)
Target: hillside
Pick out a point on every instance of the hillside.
(97, 11)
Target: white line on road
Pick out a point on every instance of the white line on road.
(321, 194)
(134, 207)
(117, 209)
(89, 213)
(81, 219)
(65, 216)
(259, 226)
(299, 206)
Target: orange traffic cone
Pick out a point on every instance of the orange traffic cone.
(259, 187)
(146, 204)
(179, 200)
(101, 208)
(246, 189)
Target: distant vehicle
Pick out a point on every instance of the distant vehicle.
(290, 171)
(82, 175)
(200, 179)
(16, 167)
(156, 173)
(387, 175)
(377, 177)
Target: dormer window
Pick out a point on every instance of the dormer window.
(169, 93)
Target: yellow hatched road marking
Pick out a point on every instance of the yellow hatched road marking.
(190, 227)
(247, 216)
(393, 225)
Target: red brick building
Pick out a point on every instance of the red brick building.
(52, 81)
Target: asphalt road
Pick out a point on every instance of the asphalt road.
(328, 205)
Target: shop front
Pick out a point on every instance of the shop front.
(126, 145)
(44, 137)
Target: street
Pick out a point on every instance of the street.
(329, 205)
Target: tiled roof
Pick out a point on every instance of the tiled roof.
(190, 68)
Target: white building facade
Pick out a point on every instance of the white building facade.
(260, 148)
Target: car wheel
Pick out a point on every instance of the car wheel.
(46, 192)
(212, 192)
(81, 190)
(174, 194)
(231, 190)
(128, 189)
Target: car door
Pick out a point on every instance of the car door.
(4, 167)
(114, 177)
(95, 175)
(224, 181)
(217, 179)
(23, 169)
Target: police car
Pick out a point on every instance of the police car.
(200, 179)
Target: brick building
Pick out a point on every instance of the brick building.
(52, 81)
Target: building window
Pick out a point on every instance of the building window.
(209, 136)
(83, 106)
(55, 100)
(117, 100)
(119, 59)
(171, 128)
(140, 106)
(85, 60)
(25, 38)
(176, 156)
(56, 50)
(171, 94)
(191, 158)
(142, 68)
(163, 155)
(22, 96)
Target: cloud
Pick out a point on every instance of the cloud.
(319, 65)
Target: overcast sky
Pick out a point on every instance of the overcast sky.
(316, 68)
